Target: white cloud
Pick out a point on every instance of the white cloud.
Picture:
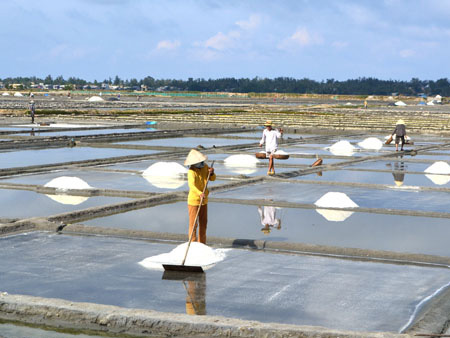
(406, 53)
(222, 41)
(168, 45)
(254, 21)
(301, 38)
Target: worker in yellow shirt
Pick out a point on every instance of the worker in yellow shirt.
(197, 179)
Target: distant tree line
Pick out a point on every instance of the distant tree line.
(360, 86)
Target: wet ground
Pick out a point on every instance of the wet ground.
(400, 210)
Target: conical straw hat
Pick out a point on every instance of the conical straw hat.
(400, 122)
(194, 157)
(268, 123)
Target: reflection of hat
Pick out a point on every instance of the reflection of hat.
(400, 122)
(398, 183)
(268, 123)
(266, 230)
(194, 157)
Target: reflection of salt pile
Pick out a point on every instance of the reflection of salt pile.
(65, 183)
(439, 172)
(95, 99)
(342, 148)
(165, 175)
(371, 143)
(335, 200)
(241, 164)
(199, 255)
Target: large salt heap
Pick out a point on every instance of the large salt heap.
(342, 148)
(438, 173)
(95, 99)
(199, 254)
(371, 143)
(241, 164)
(165, 175)
(335, 200)
(68, 183)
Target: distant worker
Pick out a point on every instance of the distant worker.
(268, 219)
(400, 134)
(270, 138)
(365, 104)
(32, 110)
(197, 179)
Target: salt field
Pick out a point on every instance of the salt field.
(359, 242)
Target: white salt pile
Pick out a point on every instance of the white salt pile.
(438, 173)
(342, 148)
(95, 99)
(67, 182)
(5, 94)
(241, 164)
(371, 143)
(199, 255)
(165, 175)
(280, 152)
(439, 167)
(241, 161)
(400, 103)
(17, 94)
(335, 200)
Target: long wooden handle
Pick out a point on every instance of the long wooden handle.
(194, 228)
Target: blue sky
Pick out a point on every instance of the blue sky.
(178, 39)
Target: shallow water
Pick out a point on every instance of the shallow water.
(88, 132)
(267, 287)
(190, 142)
(358, 230)
(14, 331)
(25, 204)
(24, 158)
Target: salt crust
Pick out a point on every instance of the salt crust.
(67, 182)
(199, 255)
(371, 143)
(335, 200)
(439, 167)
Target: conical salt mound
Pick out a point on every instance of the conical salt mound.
(439, 167)
(371, 143)
(166, 169)
(342, 148)
(67, 182)
(241, 161)
(335, 200)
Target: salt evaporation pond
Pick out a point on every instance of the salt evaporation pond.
(189, 142)
(106, 271)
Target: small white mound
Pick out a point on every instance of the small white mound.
(166, 169)
(335, 200)
(5, 94)
(280, 152)
(430, 103)
(371, 143)
(343, 148)
(438, 173)
(67, 182)
(439, 167)
(400, 103)
(241, 161)
(95, 99)
(17, 94)
(165, 175)
(199, 255)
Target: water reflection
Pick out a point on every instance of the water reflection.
(195, 287)
(399, 168)
(268, 218)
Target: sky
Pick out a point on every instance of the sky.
(211, 39)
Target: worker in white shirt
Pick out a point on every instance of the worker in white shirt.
(270, 138)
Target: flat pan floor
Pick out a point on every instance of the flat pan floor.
(268, 287)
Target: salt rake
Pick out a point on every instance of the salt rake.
(190, 268)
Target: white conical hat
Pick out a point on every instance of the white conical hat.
(194, 157)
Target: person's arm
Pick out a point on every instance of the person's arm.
(212, 176)
(263, 139)
(395, 130)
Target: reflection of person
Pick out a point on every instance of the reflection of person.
(197, 179)
(32, 110)
(196, 295)
(268, 219)
(399, 173)
(270, 138)
(400, 134)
